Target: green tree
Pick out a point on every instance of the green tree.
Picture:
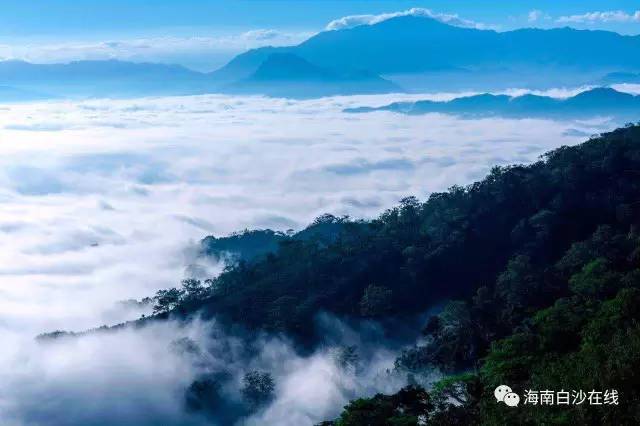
(376, 301)
(167, 300)
(596, 279)
(193, 290)
(258, 388)
(409, 407)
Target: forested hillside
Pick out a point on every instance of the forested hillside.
(541, 267)
(567, 323)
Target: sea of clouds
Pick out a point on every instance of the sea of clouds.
(106, 200)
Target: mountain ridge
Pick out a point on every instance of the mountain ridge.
(596, 101)
(392, 46)
(104, 78)
(402, 53)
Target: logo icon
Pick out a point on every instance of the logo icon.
(503, 393)
(512, 399)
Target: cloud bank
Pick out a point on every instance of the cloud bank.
(356, 20)
(105, 200)
(599, 17)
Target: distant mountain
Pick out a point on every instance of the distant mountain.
(16, 71)
(415, 53)
(288, 75)
(599, 101)
(413, 45)
(245, 64)
(290, 67)
(104, 78)
(259, 72)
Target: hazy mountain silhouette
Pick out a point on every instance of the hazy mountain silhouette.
(104, 78)
(408, 51)
(286, 74)
(245, 64)
(83, 70)
(261, 72)
(599, 101)
(413, 45)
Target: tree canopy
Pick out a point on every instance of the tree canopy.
(540, 265)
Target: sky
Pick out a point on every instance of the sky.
(205, 34)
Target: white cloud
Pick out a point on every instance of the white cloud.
(356, 20)
(259, 35)
(106, 200)
(596, 17)
(627, 87)
(536, 15)
(107, 190)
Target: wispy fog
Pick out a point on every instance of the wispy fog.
(105, 200)
(143, 377)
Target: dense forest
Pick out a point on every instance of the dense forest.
(538, 268)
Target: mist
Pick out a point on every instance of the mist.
(102, 201)
(146, 375)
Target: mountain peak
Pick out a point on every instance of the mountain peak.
(290, 75)
(289, 66)
(601, 92)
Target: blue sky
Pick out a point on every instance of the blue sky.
(203, 34)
